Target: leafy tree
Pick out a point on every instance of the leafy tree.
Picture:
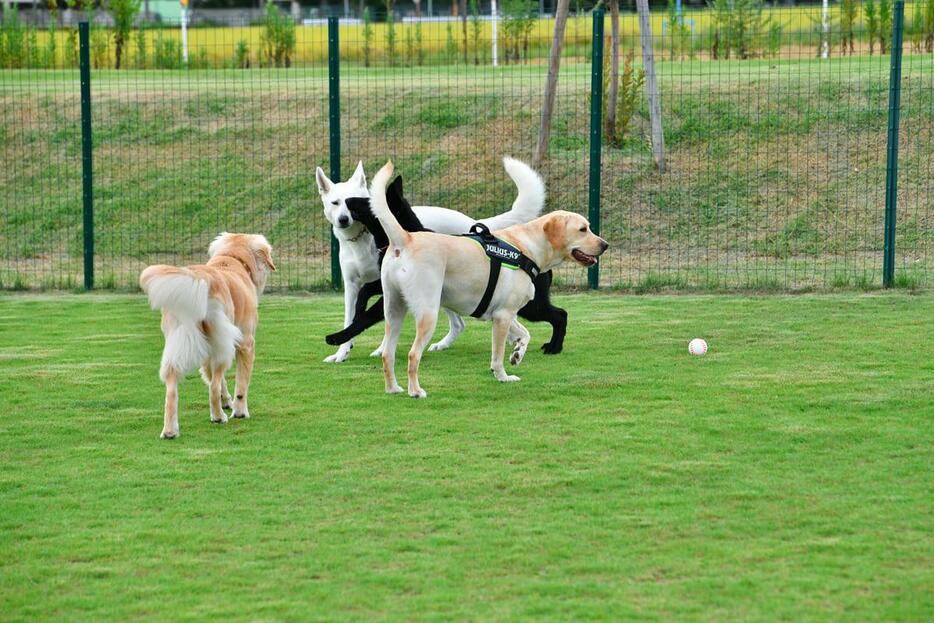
(124, 13)
(885, 24)
(848, 16)
(871, 13)
(278, 37)
(475, 27)
(390, 33)
(367, 37)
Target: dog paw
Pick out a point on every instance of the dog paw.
(337, 357)
(394, 389)
(220, 420)
(517, 355)
(502, 377)
(550, 348)
(377, 353)
(227, 403)
(242, 415)
(169, 434)
(418, 393)
(438, 346)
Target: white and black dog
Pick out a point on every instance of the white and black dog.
(358, 253)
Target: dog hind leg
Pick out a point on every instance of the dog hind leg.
(456, 328)
(425, 322)
(170, 423)
(245, 355)
(394, 308)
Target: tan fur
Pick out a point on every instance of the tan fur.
(425, 270)
(235, 276)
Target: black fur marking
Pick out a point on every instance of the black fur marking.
(539, 309)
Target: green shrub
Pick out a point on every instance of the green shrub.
(13, 50)
(628, 98)
(450, 48)
(166, 53)
(367, 37)
(141, 59)
(100, 48)
(848, 16)
(242, 55)
(390, 34)
(277, 38)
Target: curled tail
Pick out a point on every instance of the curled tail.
(397, 235)
(530, 198)
(183, 299)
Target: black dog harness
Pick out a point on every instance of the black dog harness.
(500, 252)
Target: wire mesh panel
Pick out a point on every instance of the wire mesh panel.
(227, 144)
(40, 159)
(914, 233)
(775, 145)
(774, 124)
(428, 95)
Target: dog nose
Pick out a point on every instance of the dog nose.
(604, 245)
(343, 221)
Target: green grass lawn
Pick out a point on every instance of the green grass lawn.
(787, 475)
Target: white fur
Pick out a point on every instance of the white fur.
(185, 304)
(358, 254)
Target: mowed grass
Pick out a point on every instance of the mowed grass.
(787, 475)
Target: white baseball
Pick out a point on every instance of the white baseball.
(697, 346)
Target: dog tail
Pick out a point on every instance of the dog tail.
(183, 299)
(530, 198)
(397, 235)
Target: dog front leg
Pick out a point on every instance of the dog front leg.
(519, 335)
(170, 423)
(501, 324)
(351, 291)
(246, 353)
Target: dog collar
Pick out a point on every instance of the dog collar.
(358, 236)
(500, 253)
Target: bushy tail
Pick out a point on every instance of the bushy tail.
(398, 237)
(530, 198)
(184, 300)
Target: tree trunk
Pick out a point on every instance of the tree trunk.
(613, 93)
(551, 85)
(464, 27)
(651, 85)
(418, 8)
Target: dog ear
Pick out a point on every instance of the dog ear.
(556, 231)
(359, 177)
(324, 184)
(265, 252)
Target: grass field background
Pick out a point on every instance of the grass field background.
(787, 475)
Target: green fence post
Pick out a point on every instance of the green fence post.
(334, 123)
(596, 136)
(891, 167)
(87, 145)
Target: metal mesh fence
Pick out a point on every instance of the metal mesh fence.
(776, 155)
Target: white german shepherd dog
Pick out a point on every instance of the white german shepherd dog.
(358, 253)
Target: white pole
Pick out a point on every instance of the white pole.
(825, 23)
(185, 34)
(495, 19)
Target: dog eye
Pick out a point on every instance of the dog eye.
(584, 228)
(334, 203)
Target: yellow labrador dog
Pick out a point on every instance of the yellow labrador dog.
(426, 271)
(209, 315)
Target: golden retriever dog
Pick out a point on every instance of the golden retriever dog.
(209, 316)
(425, 271)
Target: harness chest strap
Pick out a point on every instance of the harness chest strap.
(499, 252)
